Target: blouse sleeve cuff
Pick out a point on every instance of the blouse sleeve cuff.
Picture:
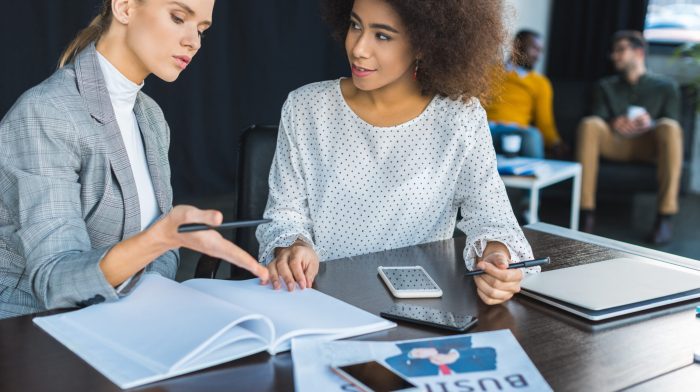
(475, 249)
(285, 241)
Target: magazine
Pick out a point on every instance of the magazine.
(484, 361)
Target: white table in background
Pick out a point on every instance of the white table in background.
(549, 172)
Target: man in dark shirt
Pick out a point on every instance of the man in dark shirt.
(634, 118)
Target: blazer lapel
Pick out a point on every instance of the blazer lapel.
(92, 88)
(149, 134)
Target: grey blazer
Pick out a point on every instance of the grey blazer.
(67, 193)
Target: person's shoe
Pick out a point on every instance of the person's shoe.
(662, 233)
(587, 221)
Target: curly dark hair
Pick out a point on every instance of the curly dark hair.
(460, 41)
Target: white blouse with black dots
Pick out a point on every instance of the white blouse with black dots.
(348, 188)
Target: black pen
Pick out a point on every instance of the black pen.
(227, 225)
(522, 264)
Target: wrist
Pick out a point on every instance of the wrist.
(159, 237)
(300, 242)
(496, 248)
(494, 253)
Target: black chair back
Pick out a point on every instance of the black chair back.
(257, 148)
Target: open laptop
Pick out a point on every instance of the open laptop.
(611, 288)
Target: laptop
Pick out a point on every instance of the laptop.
(612, 288)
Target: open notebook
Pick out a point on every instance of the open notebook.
(165, 328)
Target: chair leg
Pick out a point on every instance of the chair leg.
(207, 267)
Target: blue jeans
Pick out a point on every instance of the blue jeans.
(532, 143)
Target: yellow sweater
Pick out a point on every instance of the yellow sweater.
(525, 101)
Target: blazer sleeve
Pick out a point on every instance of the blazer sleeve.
(167, 264)
(40, 163)
(481, 196)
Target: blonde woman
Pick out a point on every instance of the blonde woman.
(86, 201)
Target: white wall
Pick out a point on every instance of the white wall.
(533, 15)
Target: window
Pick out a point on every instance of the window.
(673, 21)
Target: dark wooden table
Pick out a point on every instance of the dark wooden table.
(652, 350)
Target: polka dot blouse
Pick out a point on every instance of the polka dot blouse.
(348, 188)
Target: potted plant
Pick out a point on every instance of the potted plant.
(689, 56)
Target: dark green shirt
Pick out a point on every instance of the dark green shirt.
(657, 94)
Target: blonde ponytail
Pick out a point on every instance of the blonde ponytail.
(91, 33)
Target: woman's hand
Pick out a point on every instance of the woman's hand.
(498, 284)
(297, 263)
(206, 241)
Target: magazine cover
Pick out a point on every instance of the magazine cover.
(485, 361)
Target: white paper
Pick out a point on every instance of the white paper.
(522, 166)
(143, 336)
(296, 313)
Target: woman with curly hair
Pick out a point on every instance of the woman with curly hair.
(386, 158)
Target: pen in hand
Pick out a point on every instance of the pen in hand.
(187, 228)
(522, 264)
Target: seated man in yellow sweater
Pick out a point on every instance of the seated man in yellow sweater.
(522, 100)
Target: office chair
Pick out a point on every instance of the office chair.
(257, 148)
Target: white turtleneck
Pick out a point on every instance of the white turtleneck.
(122, 93)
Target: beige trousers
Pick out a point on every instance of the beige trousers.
(663, 145)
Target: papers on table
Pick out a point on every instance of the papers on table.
(164, 328)
(522, 166)
(480, 361)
